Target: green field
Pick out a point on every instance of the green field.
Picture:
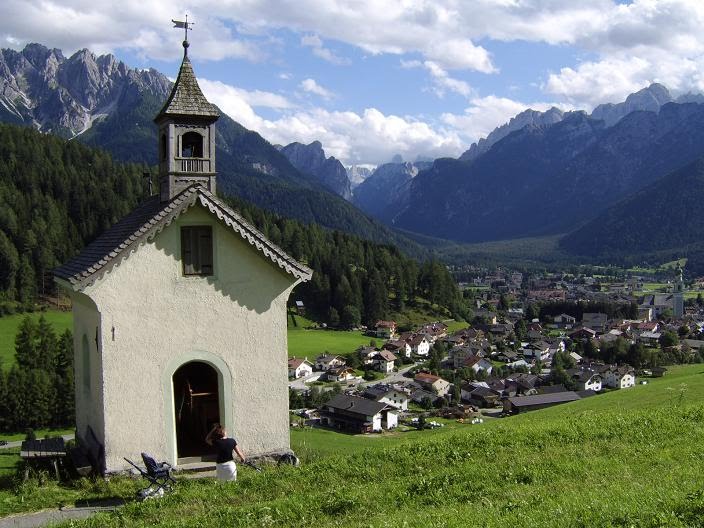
(629, 458)
(9, 324)
(312, 343)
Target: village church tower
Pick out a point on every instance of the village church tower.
(180, 311)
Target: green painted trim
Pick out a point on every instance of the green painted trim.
(224, 395)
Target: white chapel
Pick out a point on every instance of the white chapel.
(180, 311)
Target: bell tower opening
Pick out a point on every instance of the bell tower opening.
(192, 145)
(196, 407)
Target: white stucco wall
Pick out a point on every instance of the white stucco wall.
(89, 396)
(235, 320)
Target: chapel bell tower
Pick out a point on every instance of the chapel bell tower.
(186, 135)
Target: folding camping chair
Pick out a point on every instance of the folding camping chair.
(157, 473)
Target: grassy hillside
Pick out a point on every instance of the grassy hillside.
(628, 458)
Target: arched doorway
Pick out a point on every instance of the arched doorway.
(196, 407)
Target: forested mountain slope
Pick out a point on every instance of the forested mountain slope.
(104, 103)
(666, 215)
(58, 195)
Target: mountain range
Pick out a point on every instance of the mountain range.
(102, 102)
(541, 174)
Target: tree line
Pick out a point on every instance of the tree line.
(56, 196)
(37, 391)
(355, 281)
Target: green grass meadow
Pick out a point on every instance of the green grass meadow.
(312, 343)
(629, 458)
(61, 321)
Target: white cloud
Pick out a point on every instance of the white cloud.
(316, 45)
(441, 80)
(217, 90)
(456, 54)
(367, 137)
(310, 86)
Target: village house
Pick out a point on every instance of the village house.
(564, 321)
(384, 361)
(537, 351)
(477, 363)
(649, 338)
(385, 329)
(582, 334)
(458, 355)
(433, 383)
(420, 345)
(621, 377)
(399, 347)
(179, 311)
(595, 320)
(299, 367)
(339, 374)
(391, 396)
(326, 362)
(519, 404)
(366, 354)
(357, 415)
(435, 331)
(586, 379)
(479, 395)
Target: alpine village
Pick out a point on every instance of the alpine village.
(511, 337)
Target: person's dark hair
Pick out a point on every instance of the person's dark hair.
(219, 432)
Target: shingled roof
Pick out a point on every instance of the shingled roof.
(148, 220)
(186, 97)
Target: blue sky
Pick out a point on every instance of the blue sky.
(370, 79)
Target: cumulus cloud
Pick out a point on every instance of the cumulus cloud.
(367, 137)
(316, 45)
(310, 86)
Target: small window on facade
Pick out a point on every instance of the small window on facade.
(192, 145)
(197, 250)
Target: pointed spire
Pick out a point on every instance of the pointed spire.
(186, 97)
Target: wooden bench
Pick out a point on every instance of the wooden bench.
(36, 452)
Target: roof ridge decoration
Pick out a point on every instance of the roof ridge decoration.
(148, 220)
(186, 97)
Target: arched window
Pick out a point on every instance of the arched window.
(162, 147)
(85, 363)
(192, 145)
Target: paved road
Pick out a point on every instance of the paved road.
(42, 518)
(18, 443)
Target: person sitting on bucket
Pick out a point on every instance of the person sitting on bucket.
(225, 468)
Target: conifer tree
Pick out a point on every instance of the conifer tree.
(46, 346)
(26, 353)
(4, 410)
(64, 408)
(16, 399)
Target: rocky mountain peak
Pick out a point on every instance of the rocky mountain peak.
(42, 88)
(310, 159)
(528, 117)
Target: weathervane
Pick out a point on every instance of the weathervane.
(186, 26)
